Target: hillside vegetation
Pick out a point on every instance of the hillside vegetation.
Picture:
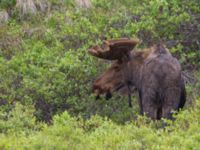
(46, 74)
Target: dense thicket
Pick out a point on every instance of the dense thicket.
(45, 69)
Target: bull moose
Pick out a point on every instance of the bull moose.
(154, 72)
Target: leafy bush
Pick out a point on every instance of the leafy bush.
(47, 64)
(45, 69)
(67, 132)
(19, 119)
(7, 4)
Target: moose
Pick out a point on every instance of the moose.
(153, 71)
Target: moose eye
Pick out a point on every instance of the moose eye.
(116, 69)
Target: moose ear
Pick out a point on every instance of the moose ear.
(114, 49)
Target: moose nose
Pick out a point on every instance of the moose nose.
(108, 95)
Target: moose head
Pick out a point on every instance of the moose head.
(116, 77)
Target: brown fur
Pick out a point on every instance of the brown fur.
(156, 75)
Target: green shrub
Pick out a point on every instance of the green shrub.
(18, 120)
(46, 74)
(68, 132)
(44, 61)
(7, 4)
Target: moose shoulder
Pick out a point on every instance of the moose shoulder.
(154, 72)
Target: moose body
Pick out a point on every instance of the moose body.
(160, 85)
(154, 72)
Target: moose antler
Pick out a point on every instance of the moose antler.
(113, 49)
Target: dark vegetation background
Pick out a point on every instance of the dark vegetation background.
(46, 73)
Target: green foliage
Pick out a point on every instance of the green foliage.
(46, 64)
(66, 2)
(18, 120)
(68, 132)
(46, 70)
(7, 3)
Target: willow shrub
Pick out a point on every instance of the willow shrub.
(44, 60)
(68, 132)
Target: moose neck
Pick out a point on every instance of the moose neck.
(132, 70)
